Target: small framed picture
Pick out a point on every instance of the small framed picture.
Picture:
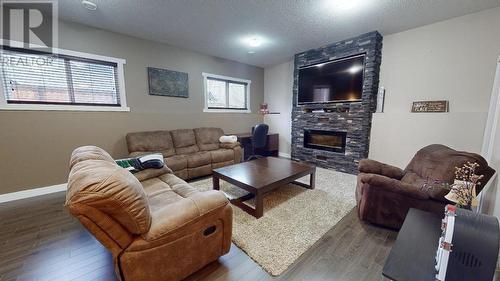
(430, 106)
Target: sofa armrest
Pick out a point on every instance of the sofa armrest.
(152, 173)
(229, 145)
(392, 185)
(167, 220)
(236, 146)
(374, 167)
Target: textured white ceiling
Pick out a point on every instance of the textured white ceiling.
(216, 27)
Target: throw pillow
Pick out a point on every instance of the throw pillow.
(136, 164)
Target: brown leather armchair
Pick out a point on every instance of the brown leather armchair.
(385, 193)
(156, 226)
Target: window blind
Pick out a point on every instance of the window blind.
(39, 78)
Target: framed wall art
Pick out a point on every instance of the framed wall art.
(169, 83)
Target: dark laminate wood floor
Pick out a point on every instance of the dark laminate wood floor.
(39, 240)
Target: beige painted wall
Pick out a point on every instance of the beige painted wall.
(453, 60)
(278, 84)
(35, 145)
(490, 196)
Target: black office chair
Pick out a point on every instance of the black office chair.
(259, 140)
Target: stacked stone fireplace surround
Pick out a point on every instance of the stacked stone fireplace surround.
(353, 118)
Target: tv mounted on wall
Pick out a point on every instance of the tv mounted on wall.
(334, 81)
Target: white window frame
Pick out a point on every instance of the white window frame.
(64, 107)
(225, 110)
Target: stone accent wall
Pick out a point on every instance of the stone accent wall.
(351, 117)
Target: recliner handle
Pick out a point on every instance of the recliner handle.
(209, 230)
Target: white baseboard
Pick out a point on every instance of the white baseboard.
(284, 155)
(32, 193)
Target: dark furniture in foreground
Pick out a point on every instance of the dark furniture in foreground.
(271, 148)
(384, 193)
(413, 255)
(473, 249)
(261, 176)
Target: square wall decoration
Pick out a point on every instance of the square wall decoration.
(169, 83)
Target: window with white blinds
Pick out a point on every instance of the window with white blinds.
(34, 78)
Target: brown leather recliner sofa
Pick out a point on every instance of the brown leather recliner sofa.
(190, 153)
(385, 193)
(156, 226)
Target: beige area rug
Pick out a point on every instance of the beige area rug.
(294, 218)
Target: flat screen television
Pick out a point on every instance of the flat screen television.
(334, 81)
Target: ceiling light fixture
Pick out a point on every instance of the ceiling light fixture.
(89, 5)
(254, 41)
(342, 5)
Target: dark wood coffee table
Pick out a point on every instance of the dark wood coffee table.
(261, 176)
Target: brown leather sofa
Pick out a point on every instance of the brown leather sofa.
(156, 226)
(190, 153)
(385, 193)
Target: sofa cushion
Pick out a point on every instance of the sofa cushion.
(169, 218)
(152, 173)
(413, 179)
(198, 159)
(184, 141)
(159, 193)
(183, 174)
(199, 171)
(166, 189)
(383, 183)
(222, 155)
(153, 141)
(176, 162)
(112, 190)
(208, 138)
(434, 188)
(178, 185)
(222, 164)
